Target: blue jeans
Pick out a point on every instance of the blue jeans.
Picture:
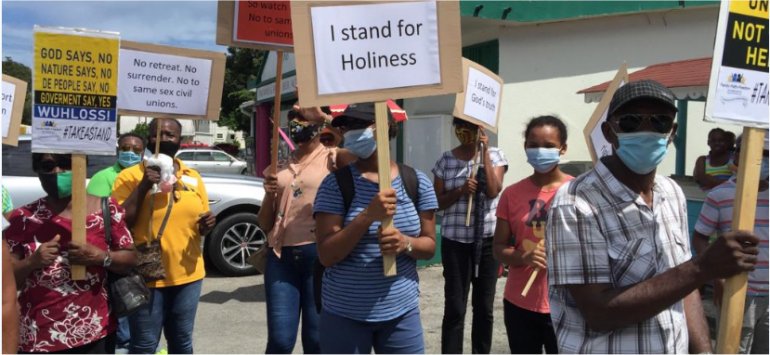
(289, 295)
(403, 335)
(123, 335)
(172, 310)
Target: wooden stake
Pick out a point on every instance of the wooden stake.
(744, 213)
(531, 280)
(158, 128)
(276, 113)
(78, 209)
(383, 171)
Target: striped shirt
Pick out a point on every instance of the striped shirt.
(601, 232)
(355, 287)
(455, 172)
(717, 216)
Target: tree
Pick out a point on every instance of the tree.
(142, 129)
(243, 65)
(21, 72)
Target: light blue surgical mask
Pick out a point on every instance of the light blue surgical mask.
(642, 151)
(127, 159)
(361, 142)
(542, 159)
(763, 173)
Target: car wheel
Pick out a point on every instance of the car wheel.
(232, 241)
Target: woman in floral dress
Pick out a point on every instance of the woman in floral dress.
(58, 314)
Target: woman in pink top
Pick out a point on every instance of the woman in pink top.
(519, 238)
(287, 216)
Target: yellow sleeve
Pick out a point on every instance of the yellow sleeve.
(125, 183)
(202, 194)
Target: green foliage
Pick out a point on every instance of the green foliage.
(142, 129)
(21, 72)
(243, 64)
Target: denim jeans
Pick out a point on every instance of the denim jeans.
(172, 310)
(289, 295)
(457, 259)
(402, 335)
(123, 335)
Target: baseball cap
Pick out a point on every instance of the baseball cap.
(357, 112)
(642, 89)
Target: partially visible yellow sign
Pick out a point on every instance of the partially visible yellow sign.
(75, 85)
(754, 8)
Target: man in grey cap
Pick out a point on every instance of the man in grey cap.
(621, 275)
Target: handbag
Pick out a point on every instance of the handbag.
(149, 258)
(259, 259)
(127, 293)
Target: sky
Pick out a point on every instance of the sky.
(189, 24)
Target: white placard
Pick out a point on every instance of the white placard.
(482, 97)
(375, 46)
(8, 95)
(165, 83)
(738, 88)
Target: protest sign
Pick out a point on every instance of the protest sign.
(738, 89)
(349, 52)
(255, 24)
(14, 93)
(75, 91)
(480, 102)
(597, 144)
(164, 81)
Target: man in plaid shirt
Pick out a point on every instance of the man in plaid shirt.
(619, 265)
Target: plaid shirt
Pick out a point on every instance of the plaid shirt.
(600, 232)
(455, 173)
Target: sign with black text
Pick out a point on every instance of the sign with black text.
(14, 94)
(255, 24)
(163, 81)
(75, 76)
(483, 95)
(738, 89)
(372, 51)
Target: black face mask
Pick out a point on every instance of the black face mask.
(301, 133)
(169, 148)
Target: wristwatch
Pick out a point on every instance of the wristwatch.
(107, 260)
(409, 247)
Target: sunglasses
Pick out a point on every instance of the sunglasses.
(631, 122)
(351, 125)
(49, 165)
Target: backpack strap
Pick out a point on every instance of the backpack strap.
(346, 185)
(411, 183)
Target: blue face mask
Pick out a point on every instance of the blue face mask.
(543, 159)
(361, 142)
(128, 159)
(763, 173)
(642, 151)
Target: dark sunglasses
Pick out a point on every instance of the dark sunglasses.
(49, 165)
(351, 125)
(631, 122)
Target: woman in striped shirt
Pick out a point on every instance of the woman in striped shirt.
(363, 309)
(713, 169)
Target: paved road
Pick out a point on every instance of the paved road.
(231, 315)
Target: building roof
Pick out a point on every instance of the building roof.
(689, 79)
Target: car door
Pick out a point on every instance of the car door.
(223, 162)
(204, 162)
(188, 158)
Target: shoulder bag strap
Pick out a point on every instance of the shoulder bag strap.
(107, 221)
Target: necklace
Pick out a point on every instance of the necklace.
(296, 182)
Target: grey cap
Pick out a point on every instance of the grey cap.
(357, 112)
(642, 89)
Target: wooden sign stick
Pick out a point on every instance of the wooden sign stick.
(383, 171)
(477, 160)
(744, 213)
(532, 277)
(158, 128)
(276, 113)
(78, 209)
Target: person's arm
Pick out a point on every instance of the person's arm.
(392, 242)
(509, 255)
(606, 308)
(123, 260)
(697, 328)
(699, 242)
(704, 180)
(448, 198)
(335, 242)
(44, 255)
(10, 305)
(494, 173)
(132, 198)
(266, 214)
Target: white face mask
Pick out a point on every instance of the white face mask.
(361, 142)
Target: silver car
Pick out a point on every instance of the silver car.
(235, 200)
(212, 161)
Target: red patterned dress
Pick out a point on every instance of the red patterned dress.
(58, 313)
